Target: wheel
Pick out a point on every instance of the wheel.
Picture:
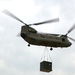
(28, 45)
(51, 48)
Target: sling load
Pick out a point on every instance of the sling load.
(46, 62)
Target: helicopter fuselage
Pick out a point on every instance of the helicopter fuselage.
(30, 35)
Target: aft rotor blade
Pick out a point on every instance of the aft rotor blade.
(71, 29)
(48, 21)
(12, 15)
(71, 39)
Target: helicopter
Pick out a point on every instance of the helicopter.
(32, 36)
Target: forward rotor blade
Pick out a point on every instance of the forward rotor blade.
(71, 39)
(71, 29)
(12, 15)
(49, 21)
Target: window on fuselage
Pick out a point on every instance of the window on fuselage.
(63, 39)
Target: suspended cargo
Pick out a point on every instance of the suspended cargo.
(46, 63)
(46, 66)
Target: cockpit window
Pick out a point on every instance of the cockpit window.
(32, 30)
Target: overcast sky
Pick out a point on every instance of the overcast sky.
(16, 58)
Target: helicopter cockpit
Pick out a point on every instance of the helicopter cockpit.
(32, 30)
(27, 29)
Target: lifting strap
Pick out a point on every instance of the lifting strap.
(46, 56)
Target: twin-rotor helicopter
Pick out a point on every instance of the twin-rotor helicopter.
(32, 36)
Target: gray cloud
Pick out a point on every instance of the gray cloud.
(5, 0)
(17, 59)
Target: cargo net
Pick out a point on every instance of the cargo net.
(46, 56)
(46, 62)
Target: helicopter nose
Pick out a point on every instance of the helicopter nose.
(70, 43)
(23, 35)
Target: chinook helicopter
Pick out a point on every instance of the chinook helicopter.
(31, 35)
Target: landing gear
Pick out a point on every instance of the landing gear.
(28, 45)
(51, 48)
